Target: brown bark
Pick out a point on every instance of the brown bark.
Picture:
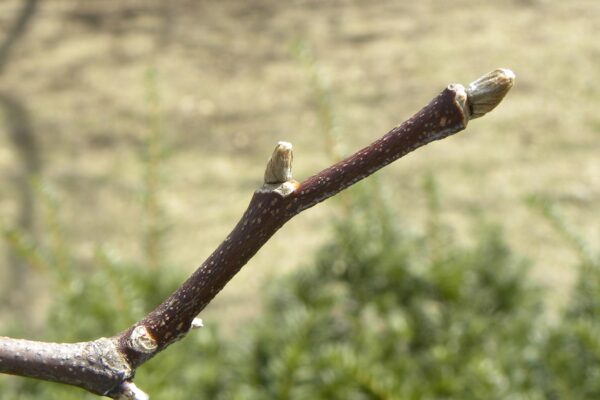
(106, 366)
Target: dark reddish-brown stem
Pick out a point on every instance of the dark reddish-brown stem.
(280, 199)
(268, 211)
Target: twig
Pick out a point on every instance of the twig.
(107, 365)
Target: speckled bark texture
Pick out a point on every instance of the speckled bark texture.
(269, 210)
(106, 366)
(96, 366)
(442, 117)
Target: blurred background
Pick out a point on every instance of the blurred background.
(133, 133)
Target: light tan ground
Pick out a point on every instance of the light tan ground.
(230, 88)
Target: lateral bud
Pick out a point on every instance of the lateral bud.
(141, 340)
(129, 391)
(279, 167)
(197, 323)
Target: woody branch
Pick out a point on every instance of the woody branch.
(106, 366)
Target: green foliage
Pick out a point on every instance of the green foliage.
(572, 351)
(379, 318)
(382, 314)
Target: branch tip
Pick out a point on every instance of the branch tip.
(487, 92)
(279, 166)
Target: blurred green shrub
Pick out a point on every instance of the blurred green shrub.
(382, 314)
(571, 354)
(378, 317)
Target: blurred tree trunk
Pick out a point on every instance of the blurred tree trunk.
(21, 134)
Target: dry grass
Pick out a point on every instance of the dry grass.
(230, 87)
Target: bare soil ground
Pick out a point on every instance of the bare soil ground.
(230, 87)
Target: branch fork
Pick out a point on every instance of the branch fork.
(106, 366)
